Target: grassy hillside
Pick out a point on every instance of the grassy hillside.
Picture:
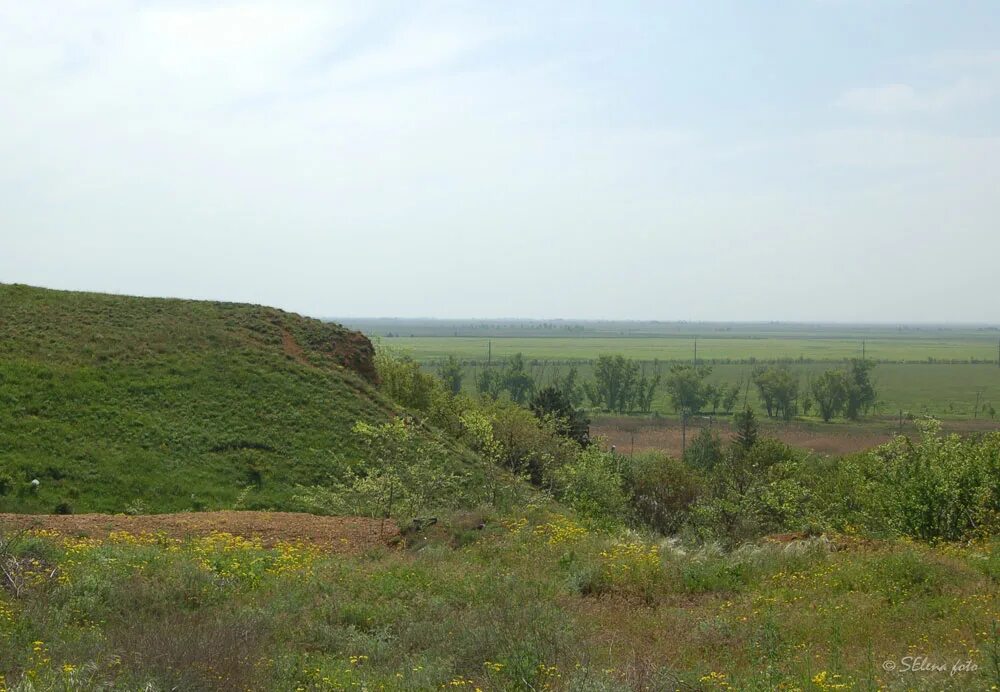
(160, 405)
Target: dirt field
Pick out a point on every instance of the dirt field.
(338, 534)
(643, 434)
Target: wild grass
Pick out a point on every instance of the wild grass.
(116, 403)
(535, 601)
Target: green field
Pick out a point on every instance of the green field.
(924, 370)
(760, 348)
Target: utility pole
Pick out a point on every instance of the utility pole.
(489, 351)
(862, 349)
(696, 350)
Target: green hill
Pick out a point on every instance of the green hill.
(163, 405)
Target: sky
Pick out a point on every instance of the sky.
(797, 160)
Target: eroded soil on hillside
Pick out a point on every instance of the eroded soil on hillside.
(338, 534)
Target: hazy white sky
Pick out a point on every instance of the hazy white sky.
(795, 160)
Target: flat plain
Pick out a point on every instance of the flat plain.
(946, 371)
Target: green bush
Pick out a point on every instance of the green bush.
(526, 445)
(753, 491)
(591, 483)
(705, 450)
(661, 490)
(940, 487)
(403, 477)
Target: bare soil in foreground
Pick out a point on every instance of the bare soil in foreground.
(338, 534)
(643, 434)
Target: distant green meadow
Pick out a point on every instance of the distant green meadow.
(937, 371)
(668, 348)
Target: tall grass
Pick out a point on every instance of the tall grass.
(534, 601)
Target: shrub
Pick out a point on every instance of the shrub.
(754, 491)
(555, 404)
(661, 490)
(403, 476)
(527, 445)
(403, 382)
(705, 450)
(592, 484)
(941, 487)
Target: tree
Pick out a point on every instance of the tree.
(807, 404)
(830, 392)
(478, 433)
(731, 395)
(645, 389)
(451, 374)
(489, 382)
(517, 381)
(687, 388)
(779, 390)
(569, 386)
(614, 385)
(861, 393)
(747, 430)
(753, 491)
(514, 379)
(714, 394)
(552, 402)
(525, 445)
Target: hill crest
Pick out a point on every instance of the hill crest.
(119, 403)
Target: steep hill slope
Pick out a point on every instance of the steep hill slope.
(165, 405)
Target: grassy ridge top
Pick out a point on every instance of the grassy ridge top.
(166, 405)
(93, 328)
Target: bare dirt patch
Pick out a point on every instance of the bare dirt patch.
(338, 534)
(291, 347)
